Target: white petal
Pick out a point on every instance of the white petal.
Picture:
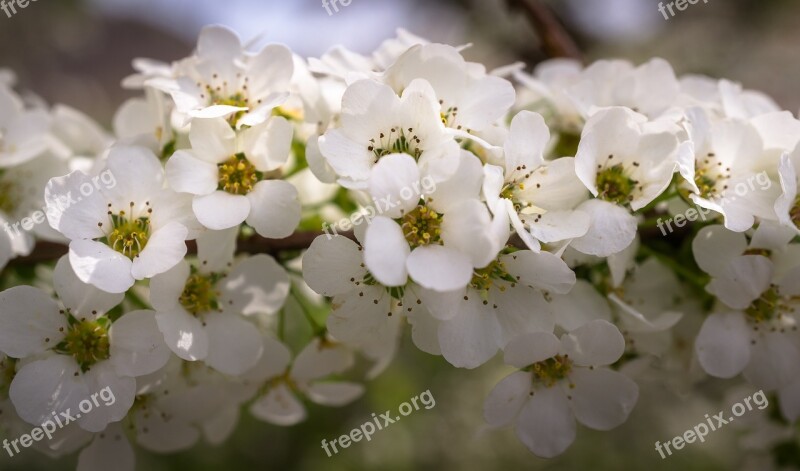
(472, 337)
(546, 424)
(723, 344)
(216, 249)
(330, 263)
(527, 139)
(275, 209)
(84, 300)
(602, 399)
(165, 248)
(75, 219)
(335, 394)
(505, 401)
(745, 279)
(213, 140)
(394, 183)
(543, 271)
(234, 344)
(183, 334)
(97, 264)
(774, 361)
(595, 343)
(714, 246)
(386, 251)
(529, 348)
(583, 304)
(319, 360)
(279, 406)
(257, 284)
(188, 174)
(137, 346)
(46, 386)
(268, 145)
(117, 394)
(439, 268)
(28, 319)
(612, 230)
(221, 210)
(166, 288)
(138, 175)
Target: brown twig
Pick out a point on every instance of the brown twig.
(556, 41)
(49, 251)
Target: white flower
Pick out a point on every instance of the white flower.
(73, 351)
(376, 122)
(508, 297)
(365, 314)
(469, 98)
(146, 122)
(539, 197)
(623, 166)
(755, 332)
(438, 242)
(285, 380)
(21, 197)
(201, 308)
(650, 89)
(24, 133)
(546, 92)
(562, 381)
(723, 170)
(223, 80)
(130, 231)
(229, 175)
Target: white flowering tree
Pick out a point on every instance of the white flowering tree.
(596, 226)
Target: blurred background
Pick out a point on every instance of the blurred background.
(76, 52)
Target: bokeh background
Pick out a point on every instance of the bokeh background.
(76, 52)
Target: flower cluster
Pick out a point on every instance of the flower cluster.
(534, 237)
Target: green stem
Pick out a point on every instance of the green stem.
(315, 326)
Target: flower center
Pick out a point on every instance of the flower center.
(708, 175)
(615, 186)
(422, 226)
(237, 175)
(767, 307)
(128, 235)
(396, 141)
(552, 370)
(484, 278)
(449, 116)
(87, 341)
(199, 295)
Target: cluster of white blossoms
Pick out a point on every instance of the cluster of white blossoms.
(537, 241)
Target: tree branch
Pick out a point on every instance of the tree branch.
(556, 41)
(50, 251)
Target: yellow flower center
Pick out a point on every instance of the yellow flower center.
(87, 341)
(552, 370)
(614, 185)
(128, 236)
(422, 226)
(396, 141)
(237, 175)
(199, 295)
